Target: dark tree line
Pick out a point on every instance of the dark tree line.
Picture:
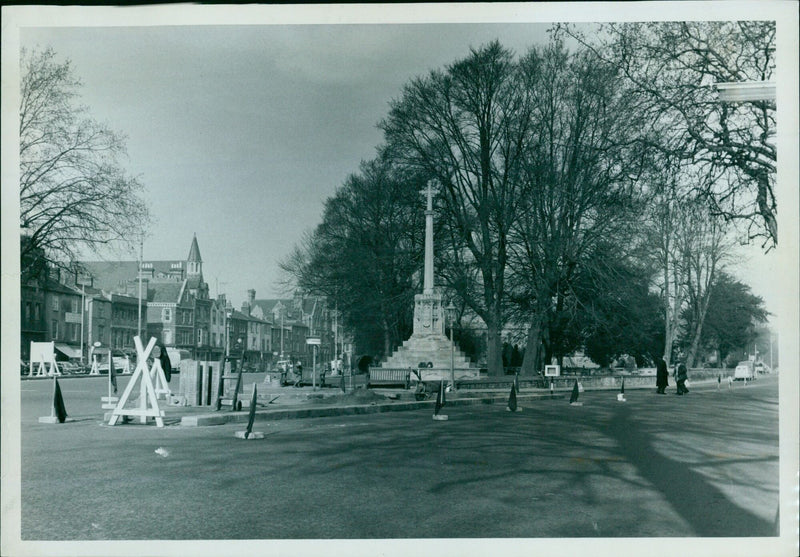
(560, 209)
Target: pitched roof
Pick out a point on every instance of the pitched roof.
(114, 275)
(194, 251)
(58, 288)
(268, 305)
(110, 275)
(236, 314)
(165, 292)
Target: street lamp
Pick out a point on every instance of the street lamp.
(451, 317)
(228, 333)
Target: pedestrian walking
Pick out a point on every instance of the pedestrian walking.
(681, 375)
(662, 376)
(299, 378)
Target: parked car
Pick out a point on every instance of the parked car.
(744, 370)
(761, 367)
(285, 365)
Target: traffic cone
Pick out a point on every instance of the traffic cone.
(58, 412)
(249, 433)
(58, 404)
(573, 399)
(512, 401)
(440, 402)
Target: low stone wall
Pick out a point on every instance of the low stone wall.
(588, 381)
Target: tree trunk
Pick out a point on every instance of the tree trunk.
(533, 345)
(667, 317)
(698, 331)
(387, 340)
(494, 348)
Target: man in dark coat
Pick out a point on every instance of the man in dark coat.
(662, 375)
(166, 364)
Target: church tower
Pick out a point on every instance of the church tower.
(194, 263)
(194, 272)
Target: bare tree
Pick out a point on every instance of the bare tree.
(465, 126)
(707, 246)
(581, 163)
(73, 192)
(673, 67)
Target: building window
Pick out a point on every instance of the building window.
(75, 305)
(101, 333)
(74, 331)
(166, 315)
(167, 336)
(54, 303)
(27, 311)
(199, 336)
(55, 329)
(36, 312)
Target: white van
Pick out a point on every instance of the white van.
(744, 370)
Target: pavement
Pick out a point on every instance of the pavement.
(82, 394)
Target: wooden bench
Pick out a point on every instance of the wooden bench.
(379, 376)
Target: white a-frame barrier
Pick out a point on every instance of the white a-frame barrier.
(148, 401)
(42, 354)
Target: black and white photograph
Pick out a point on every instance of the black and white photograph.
(364, 279)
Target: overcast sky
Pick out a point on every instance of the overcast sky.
(240, 133)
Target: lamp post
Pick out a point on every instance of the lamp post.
(451, 316)
(228, 334)
(141, 255)
(83, 318)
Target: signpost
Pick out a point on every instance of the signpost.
(314, 341)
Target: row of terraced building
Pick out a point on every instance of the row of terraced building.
(110, 302)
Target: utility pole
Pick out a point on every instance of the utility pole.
(141, 252)
(336, 333)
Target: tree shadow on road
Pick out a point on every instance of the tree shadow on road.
(707, 509)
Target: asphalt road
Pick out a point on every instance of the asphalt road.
(700, 465)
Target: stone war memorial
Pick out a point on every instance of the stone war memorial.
(428, 342)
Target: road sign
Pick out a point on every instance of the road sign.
(314, 340)
(552, 371)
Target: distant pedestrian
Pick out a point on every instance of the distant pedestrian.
(681, 375)
(298, 381)
(662, 375)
